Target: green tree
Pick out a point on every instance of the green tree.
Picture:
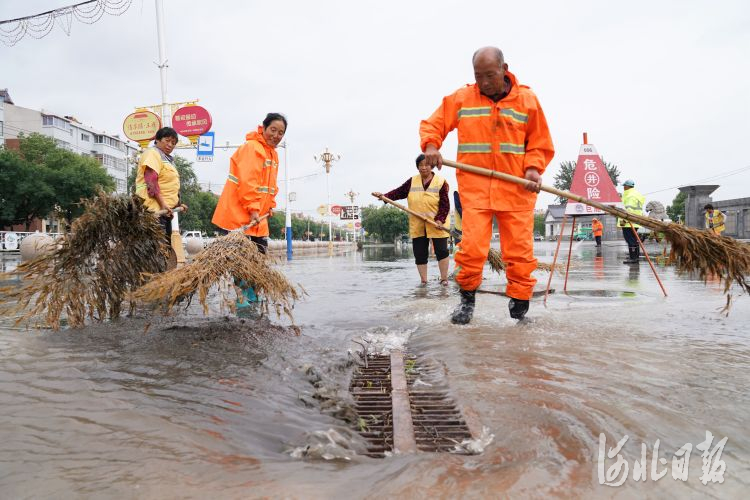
(25, 193)
(676, 211)
(564, 177)
(539, 226)
(276, 225)
(386, 222)
(70, 176)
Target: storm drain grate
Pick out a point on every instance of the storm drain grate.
(438, 423)
(371, 388)
(429, 421)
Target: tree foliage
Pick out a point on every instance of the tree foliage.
(539, 226)
(41, 178)
(564, 177)
(676, 211)
(387, 223)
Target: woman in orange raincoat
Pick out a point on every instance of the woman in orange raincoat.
(251, 188)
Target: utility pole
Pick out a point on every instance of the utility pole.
(166, 115)
(351, 195)
(327, 158)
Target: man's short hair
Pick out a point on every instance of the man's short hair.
(708, 207)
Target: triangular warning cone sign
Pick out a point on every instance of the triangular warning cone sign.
(591, 180)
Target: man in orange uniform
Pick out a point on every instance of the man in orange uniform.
(501, 127)
(597, 228)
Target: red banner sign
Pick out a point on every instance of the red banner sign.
(191, 121)
(335, 209)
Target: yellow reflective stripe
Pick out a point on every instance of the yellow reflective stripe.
(474, 112)
(515, 149)
(140, 186)
(232, 178)
(475, 147)
(267, 163)
(272, 190)
(515, 115)
(262, 189)
(433, 190)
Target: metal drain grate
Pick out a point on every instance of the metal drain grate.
(371, 388)
(438, 423)
(426, 417)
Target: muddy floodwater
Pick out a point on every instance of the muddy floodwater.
(226, 407)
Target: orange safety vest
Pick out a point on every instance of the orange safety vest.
(597, 227)
(251, 185)
(508, 136)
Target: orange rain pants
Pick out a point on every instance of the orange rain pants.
(516, 244)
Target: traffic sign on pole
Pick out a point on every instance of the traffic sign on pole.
(205, 147)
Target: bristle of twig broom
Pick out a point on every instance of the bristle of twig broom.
(229, 257)
(93, 268)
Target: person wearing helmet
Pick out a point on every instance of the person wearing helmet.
(634, 202)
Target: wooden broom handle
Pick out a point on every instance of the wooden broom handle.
(412, 212)
(523, 182)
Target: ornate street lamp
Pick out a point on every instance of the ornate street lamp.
(327, 158)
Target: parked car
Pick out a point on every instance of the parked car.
(584, 234)
(538, 237)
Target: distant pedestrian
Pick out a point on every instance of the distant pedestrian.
(714, 220)
(634, 202)
(597, 228)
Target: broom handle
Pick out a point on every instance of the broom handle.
(523, 182)
(412, 212)
(165, 211)
(254, 223)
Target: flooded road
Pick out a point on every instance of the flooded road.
(227, 407)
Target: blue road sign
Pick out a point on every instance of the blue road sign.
(206, 144)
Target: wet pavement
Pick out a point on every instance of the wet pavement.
(241, 408)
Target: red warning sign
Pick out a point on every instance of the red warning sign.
(591, 180)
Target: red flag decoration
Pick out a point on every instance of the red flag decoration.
(591, 180)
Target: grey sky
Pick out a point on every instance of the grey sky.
(661, 87)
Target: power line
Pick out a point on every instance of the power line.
(710, 178)
(38, 26)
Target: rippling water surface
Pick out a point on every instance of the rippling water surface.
(228, 407)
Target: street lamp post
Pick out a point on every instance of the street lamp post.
(287, 208)
(351, 195)
(327, 158)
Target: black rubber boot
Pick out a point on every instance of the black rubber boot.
(465, 310)
(632, 259)
(518, 308)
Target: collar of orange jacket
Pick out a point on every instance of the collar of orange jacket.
(258, 136)
(513, 89)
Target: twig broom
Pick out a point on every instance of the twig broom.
(693, 250)
(232, 256)
(93, 268)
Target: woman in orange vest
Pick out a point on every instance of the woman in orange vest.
(597, 228)
(157, 180)
(250, 190)
(427, 194)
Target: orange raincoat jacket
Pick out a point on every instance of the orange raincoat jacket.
(251, 185)
(508, 136)
(597, 228)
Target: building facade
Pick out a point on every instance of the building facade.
(115, 154)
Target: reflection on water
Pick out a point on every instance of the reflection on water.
(235, 408)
